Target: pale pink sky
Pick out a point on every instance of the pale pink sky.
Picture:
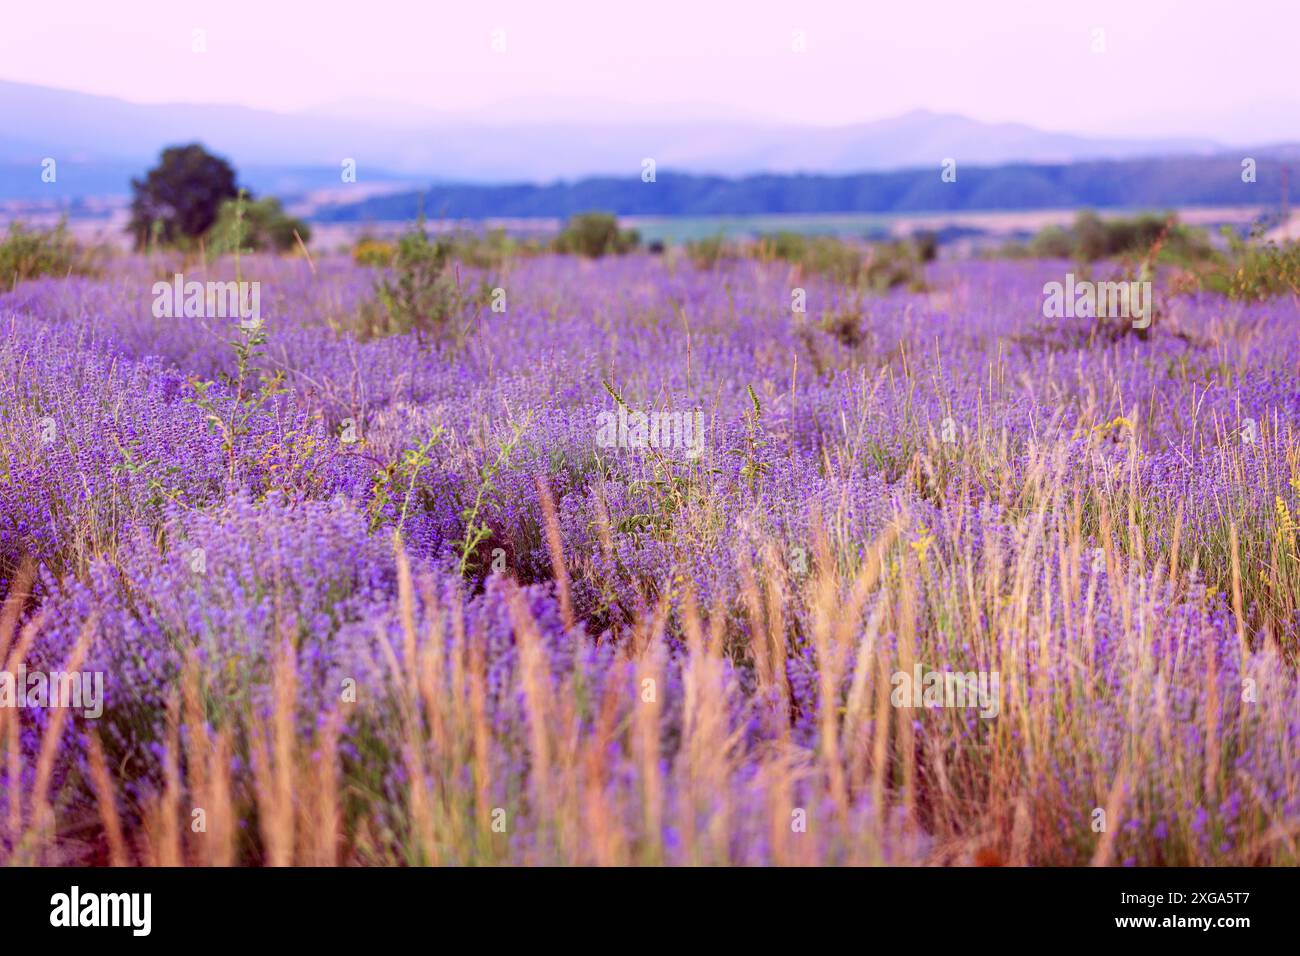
(1225, 70)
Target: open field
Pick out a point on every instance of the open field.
(624, 561)
(995, 224)
(992, 226)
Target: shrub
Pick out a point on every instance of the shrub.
(373, 252)
(890, 265)
(840, 260)
(926, 244)
(249, 225)
(1053, 242)
(1255, 270)
(878, 267)
(418, 294)
(595, 234)
(1092, 238)
(487, 250)
(28, 253)
(708, 252)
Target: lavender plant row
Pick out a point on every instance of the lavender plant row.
(632, 563)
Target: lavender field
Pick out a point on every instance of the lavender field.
(627, 561)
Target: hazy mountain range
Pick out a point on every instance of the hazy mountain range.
(1160, 183)
(100, 142)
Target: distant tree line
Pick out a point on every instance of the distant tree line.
(1131, 184)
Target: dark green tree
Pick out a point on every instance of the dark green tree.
(179, 199)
